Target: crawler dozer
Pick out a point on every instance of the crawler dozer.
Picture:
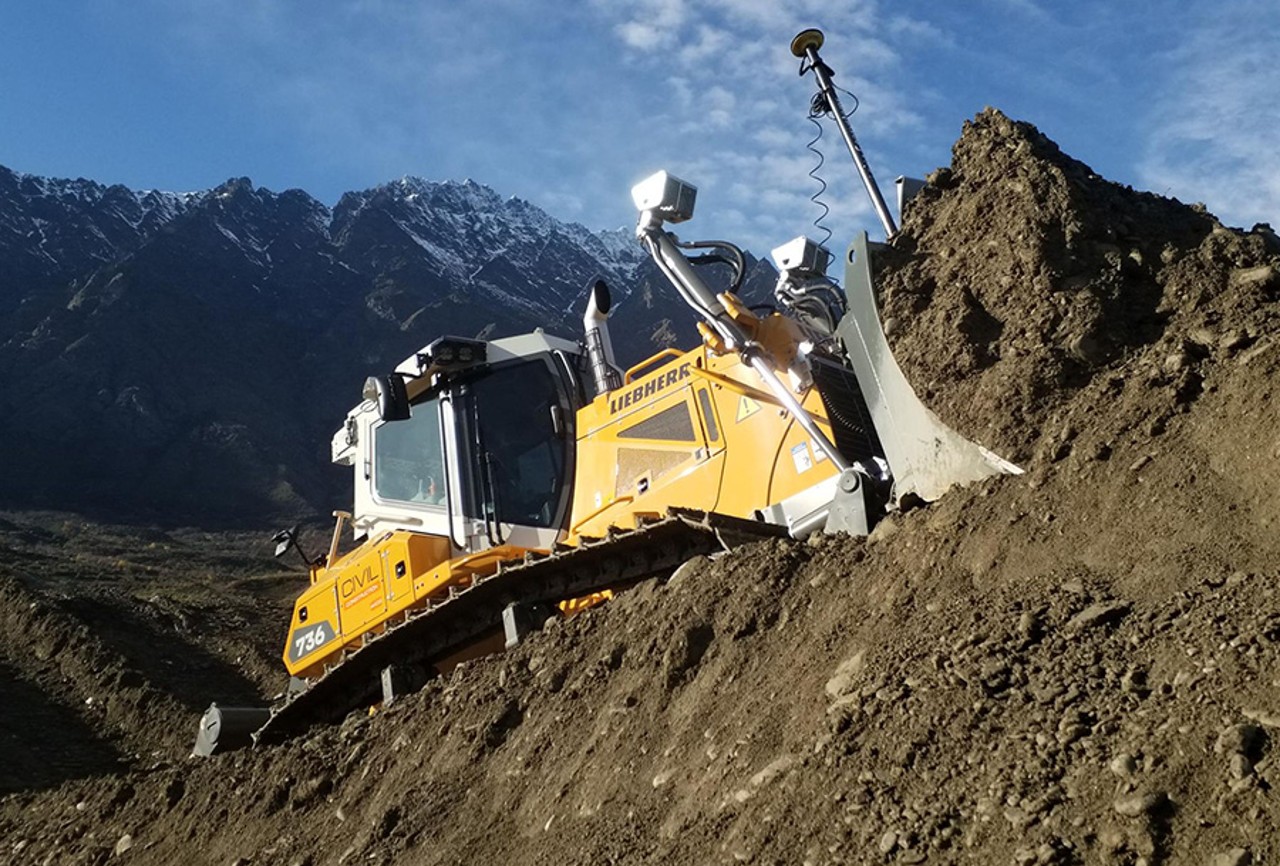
(497, 483)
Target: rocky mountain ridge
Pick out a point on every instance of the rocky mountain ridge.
(186, 356)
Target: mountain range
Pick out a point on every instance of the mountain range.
(185, 357)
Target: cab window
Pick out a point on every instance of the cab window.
(408, 461)
(527, 456)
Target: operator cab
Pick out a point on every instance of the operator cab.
(474, 443)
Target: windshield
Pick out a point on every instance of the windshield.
(525, 455)
(408, 458)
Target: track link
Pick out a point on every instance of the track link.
(623, 556)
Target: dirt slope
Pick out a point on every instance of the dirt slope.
(108, 635)
(1081, 665)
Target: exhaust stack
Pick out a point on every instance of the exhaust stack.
(595, 324)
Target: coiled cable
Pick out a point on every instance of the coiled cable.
(814, 173)
(820, 106)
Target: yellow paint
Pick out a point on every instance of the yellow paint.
(375, 584)
(746, 466)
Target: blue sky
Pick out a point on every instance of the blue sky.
(568, 104)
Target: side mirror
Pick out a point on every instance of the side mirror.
(284, 539)
(288, 538)
(390, 393)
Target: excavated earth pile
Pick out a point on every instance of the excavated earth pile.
(1080, 665)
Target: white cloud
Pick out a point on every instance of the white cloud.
(1213, 131)
(567, 105)
(563, 106)
(708, 43)
(732, 120)
(647, 25)
(1026, 7)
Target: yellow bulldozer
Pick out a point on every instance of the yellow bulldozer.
(497, 483)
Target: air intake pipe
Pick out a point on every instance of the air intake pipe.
(595, 324)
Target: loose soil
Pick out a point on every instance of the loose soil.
(1078, 665)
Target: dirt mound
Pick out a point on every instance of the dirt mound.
(1075, 666)
(841, 702)
(1020, 278)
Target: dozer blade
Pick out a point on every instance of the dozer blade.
(925, 455)
(471, 614)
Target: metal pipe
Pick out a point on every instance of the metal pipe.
(677, 269)
(595, 325)
(806, 45)
(665, 252)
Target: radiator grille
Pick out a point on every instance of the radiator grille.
(855, 435)
(672, 424)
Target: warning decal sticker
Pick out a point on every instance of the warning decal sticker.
(800, 456)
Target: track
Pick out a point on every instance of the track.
(428, 634)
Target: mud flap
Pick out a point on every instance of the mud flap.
(925, 455)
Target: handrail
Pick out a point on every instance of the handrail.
(652, 359)
(621, 500)
(734, 385)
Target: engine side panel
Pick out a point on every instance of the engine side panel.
(696, 432)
